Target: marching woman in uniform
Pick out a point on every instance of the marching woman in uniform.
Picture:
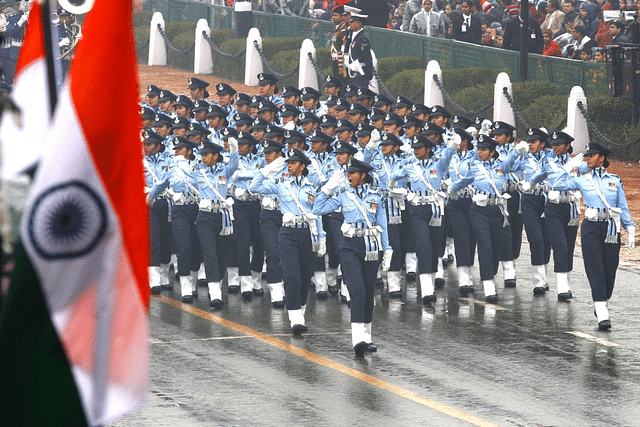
(562, 210)
(606, 212)
(184, 190)
(215, 216)
(300, 233)
(488, 212)
(156, 166)
(533, 200)
(424, 174)
(365, 234)
(270, 223)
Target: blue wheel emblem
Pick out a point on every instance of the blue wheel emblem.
(67, 221)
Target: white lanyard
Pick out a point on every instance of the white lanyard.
(214, 189)
(361, 208)
(422, 177)
(186, 181)
(490, 179)
(151, 171)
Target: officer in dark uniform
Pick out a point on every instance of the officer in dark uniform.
(214, 219)
(299, 233)
(358, 62)
(606, 212)
(365, 234)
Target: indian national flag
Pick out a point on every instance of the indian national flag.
(74, 328)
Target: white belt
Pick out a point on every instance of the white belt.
(556, 197)
(243, 195)
(290, 220)
(596, 214)
(180, 199)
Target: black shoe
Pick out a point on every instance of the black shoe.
(360, 348)
(247, 295)
(216, 303)
(166, 287)
(465, 290)
(156, 290)
(491, 298)
(299, 329)
(604, 325)
(258, 292)
(371, 348)
(333, 290)
(411, 277)
(539, 290)
(439, 284)
(187, 299)
(322, 295)
(546, 286)
(343, 299)
(510, 283)
(233, 289)
(379, 282)
(202, 282)
(278, 304)
(428, 299)
(563, 296)
(395, 294)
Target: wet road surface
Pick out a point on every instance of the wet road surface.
(525, 361)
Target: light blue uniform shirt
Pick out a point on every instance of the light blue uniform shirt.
(217, 176)
(174, 179)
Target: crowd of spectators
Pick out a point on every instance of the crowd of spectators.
(567, 29)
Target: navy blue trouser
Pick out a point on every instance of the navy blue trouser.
(297, 265)
(464, 240)
(427, 239)
(536, 228)
(360, 278)
(246, 228)
(393, 230)
(161, 234)
(562, 237)
(270, 223)
(447, 229)
(335, 222)
(486, 223)
(600, 258)
(183, 222)
(515, 221)
(407, 236)
(213, 245)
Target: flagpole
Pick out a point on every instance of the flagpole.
(49, 56)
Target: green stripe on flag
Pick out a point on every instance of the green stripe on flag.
(38, 387)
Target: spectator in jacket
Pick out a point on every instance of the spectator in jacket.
(589, 16)
(427, 22)
(616, 28)
(551, 48)
(512, 34)
(468, 28)
(411, 8)
(554, 18)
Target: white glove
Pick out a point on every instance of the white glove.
(23, 19)
(522, 147)
(64, 42)
(336, 179)
(485, 127)
(454, 142)
(374, 140)
(573, 163)
(386, 260)
(631, 237)
(273, 167)
(233, 145)
(322, 246)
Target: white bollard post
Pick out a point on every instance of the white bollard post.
(253, 64)
(307, 76)
(432, 94)
(501, 109)
(576, 124)
(373, 83)
(157, 47)
(202, 58)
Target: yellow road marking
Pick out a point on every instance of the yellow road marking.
(369, 379)
(592, 338)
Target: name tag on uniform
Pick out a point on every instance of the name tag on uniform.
(533, 35)
(463, 29)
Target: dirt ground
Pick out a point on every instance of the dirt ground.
(175, 80)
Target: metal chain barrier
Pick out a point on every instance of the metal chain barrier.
(217, 49)
(269, 67)
(599, 134)
(457, 106)
(382, 85)
(413, 98)
(315, 66)
(144, 45)
(512, 104)
(172, 47)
